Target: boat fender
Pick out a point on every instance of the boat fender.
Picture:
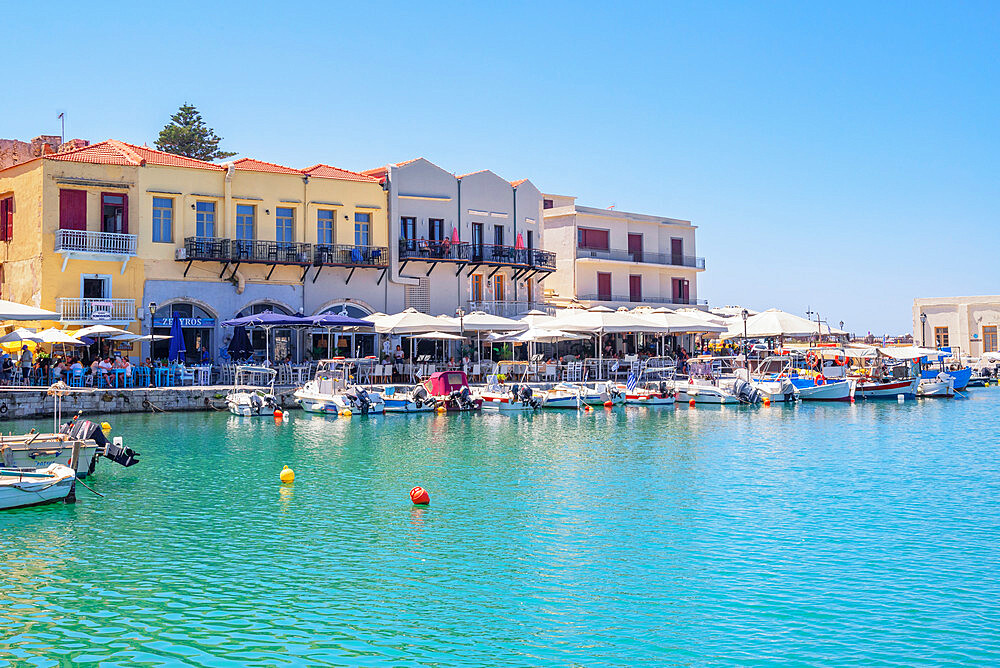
(820, 379)
(3, 408)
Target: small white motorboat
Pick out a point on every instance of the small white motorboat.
(704, 392)
(30, 487)
(649, 394)
(500, 397)
(331, 391)
(941, 386)
(416, 400)
(253, 391)
(559, 398)
(596, 394)
(821, 389)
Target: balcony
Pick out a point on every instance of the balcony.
(91, 311)
(627, 299)
(343, 255)
(421, 250)
(237, 251)
(87, 245)
(508, 309)
(670, 259)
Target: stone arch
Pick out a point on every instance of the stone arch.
(342, 300)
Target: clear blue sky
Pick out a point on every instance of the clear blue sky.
(843, 157)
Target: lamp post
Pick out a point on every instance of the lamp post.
(460, 314)
(152, 312)
(923, 329)
(745, 314)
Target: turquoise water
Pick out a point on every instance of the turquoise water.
(813, 534)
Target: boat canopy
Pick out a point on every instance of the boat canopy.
(444, 382)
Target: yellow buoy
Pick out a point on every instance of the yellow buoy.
(441, 409)
(106, 428)
(287, 475)
(346, 412)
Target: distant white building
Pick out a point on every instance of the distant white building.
(615, 258)
(970, 323)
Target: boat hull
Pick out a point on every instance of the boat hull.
(937, 388)
(20, 492)
(705, 394)
(649, 400)
(841, 390)
(960, 376)
(504, 402)
(334, 404)
(406, 405)
(887, 390)
(45, 451)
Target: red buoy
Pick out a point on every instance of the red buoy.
(608, 404)
(419, 496)
(277, 413)
(691, 403)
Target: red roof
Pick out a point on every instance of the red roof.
(251, 165)
(327, 172)
(518, 182)
(114, 152)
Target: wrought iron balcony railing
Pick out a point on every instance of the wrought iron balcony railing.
(106, 243)
(642, 300)
(671, 259)
(214, 249)
(490, 254)
(432, 251)
(343, 255)
(508, 309)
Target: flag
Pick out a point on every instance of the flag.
(631, 381)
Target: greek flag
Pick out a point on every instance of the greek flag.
(631, 381)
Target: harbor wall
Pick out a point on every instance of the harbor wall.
(31, 402)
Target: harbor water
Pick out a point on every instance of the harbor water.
(809, 534)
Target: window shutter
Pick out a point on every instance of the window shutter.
(10, 219)
(125, 215)
(72, 209)
(3, 219)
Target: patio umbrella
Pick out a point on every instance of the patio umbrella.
(775, 322)
(240, 347)
(435, 336)
(14, 311)
(601, 320)
(519, 242)
(480, 321)
(336, 321)
(454, 235)
(21, 334)
(177, 348)
(53, 335)
(411, 321)
(535, 335)
(100, 331)
(268, 321)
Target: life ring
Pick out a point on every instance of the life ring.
(3, 408)
(811, 358)
(839, 361)
(820, 379)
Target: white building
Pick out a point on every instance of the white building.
(616, 258)
(969, 323)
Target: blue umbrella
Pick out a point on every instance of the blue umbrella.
(240, 348)
(177, 349)
(268, 320)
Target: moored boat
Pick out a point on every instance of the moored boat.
(415, 400)
(941, 386)
(451, 391)
(331, 392)
(252, 392)
(20, 488)
(596, 394)
(501, 397)
(649, 394)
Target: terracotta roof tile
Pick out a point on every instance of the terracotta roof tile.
(518, 182)
(251, 165)
(328, 172)
(114, 152)
(478, 171)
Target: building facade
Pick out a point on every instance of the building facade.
(970, 324)
(614, 258)
(472, 241)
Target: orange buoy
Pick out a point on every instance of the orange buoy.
(608, 404)
(419, 496)
(767, 401)
(587, 408)
(278, 414)
(691, 403)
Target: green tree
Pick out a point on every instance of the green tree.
(186, 134)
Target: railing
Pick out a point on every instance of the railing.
(438, 251)
(643, 300)
(432, 251)
(508, 309)
(672, 259)
(350, 256)
(96, 310)
(247, 250)
(85, 241)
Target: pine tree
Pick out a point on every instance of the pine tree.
(186, 134)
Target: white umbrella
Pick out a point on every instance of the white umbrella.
(100, 330)
(21, 334)
(775, 322)
(148, 337)
(410, 321)
(535, 318)
(439, 336)
(601, 320)
(704, 316)
(14, 311)
(540, 335)
(53, 335)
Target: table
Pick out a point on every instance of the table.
(164, 376)
(202, 374)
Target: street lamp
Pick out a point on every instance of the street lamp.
(923, 329)
(152, 312)
(460, 314)
(745, 314)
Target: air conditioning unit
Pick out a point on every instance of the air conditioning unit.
(181, 254)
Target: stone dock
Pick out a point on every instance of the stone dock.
(19, 402)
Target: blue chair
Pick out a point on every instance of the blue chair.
(140, 376)
(184, 375)
(75, 378)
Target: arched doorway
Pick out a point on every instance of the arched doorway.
(282, 340)
(342, 344)
(197, 324)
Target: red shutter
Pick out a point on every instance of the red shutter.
(125, 215)
(5, 231)
(603, 286)
(72, 209)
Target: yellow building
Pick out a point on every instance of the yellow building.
(101, 233)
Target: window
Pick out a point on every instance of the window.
(593, 239)
(362, 226)
(163, 220)
(407, 228)
(499, 288)
(477, 287)
(245, 214)
(498, 235)
(529, 287)
(635, 288)
(205, 219)
(6, 219)
(284, 224)
(682, 290)
(546, 204)
(990, 339)
(72, 209)
(531, 239)
(324, 226)
(435, 229)
(941, 337)
(114, 217)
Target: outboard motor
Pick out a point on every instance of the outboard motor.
(256, 403)
(745, 392)
(364, 401)
(663, 389)
(419, 395)
(116, 452)
(528, 397)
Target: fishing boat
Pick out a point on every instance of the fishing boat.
(657, 393)
(559, 397)
(596, 394)
(941, 386)
(332, 392)
(704, 391)
(451, 390)
(772, 376)
(499, 396)
(253, 391)
(415, 400)
(820, 388)
(20, 488)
